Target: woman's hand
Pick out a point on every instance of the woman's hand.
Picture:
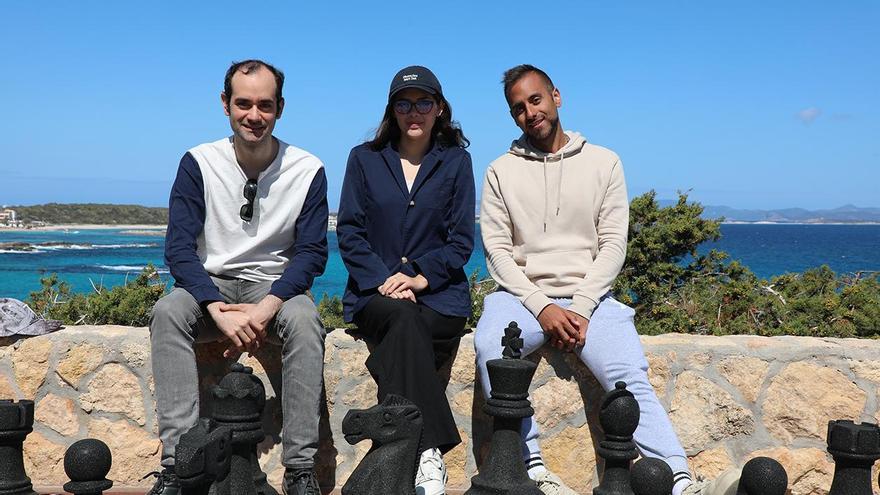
(407, 294)
(400, 282)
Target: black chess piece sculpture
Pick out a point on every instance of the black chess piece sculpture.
(16, 422)
(395, 427)
(87, 463)
(762, 476)
(651, 476)
(504, 471)
(619, 417)
(855, 448)
(202, 456)
(237, 405)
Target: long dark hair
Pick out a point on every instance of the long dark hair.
(446, 131)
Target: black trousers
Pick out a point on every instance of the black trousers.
(404, 336)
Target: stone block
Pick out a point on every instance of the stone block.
(31, 363)
(7, 389)
(115, 389)
(58, 413)
(136, 355)
(703, 412)
(801, 400)
(556, 401)
(659, 372)
(78, 361)
(44, 460)
(464, 366)
(747, 374)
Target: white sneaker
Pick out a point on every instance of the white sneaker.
(550, 484)
(725, 484)
(431, 476)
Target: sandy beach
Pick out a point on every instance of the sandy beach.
(77, 226)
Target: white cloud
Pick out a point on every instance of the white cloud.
(808, 115)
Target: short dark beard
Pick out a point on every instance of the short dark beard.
(548, 139)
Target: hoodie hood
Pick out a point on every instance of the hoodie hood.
(522, 147)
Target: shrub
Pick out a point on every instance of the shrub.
(128, 304)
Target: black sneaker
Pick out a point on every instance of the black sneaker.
(300, 482)
(166, 483)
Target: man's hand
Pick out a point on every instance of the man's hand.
(260, 315)
(235, 325)
(557, 323)
(582, 324)
(400, 282)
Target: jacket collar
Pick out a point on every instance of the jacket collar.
(430, 161)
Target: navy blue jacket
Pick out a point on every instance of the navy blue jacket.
(383, 228)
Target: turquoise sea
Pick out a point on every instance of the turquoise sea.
(104, 258)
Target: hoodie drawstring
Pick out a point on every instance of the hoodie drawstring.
(559, 189)
(546, 193)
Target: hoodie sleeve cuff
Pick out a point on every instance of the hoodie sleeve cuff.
(536, 302)
(583, 306)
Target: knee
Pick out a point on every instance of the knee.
(487, 343)
(633, 372)
(177, 310)
(408, 326)
(298, 319)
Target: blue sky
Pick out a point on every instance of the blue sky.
(750, 104)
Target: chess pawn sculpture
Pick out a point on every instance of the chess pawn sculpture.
(762, 476)
(16, 422)
(238, 403)
(87, 463)
(619, 417)
(651, 476)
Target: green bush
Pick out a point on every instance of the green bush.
(479, 290)
(673, 289)
(128, 304)
(330, 310)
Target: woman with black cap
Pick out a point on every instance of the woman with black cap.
(406, 230)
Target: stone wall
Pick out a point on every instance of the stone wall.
(730, 398)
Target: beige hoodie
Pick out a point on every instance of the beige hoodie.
(555, 224)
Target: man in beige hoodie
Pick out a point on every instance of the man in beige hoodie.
(554, 220)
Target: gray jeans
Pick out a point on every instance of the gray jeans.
(177, 322)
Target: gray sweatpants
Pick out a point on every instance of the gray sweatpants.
(612, 352)
(177, 322)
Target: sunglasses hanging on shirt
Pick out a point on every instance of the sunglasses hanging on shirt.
(250, 194)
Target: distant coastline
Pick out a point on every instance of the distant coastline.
(765, 222)
(134, 228)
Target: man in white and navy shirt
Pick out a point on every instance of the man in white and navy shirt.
(247, 235)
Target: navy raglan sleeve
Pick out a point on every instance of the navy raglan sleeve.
(310, 247)
(363, 264)
(437, 265)
(186, 219)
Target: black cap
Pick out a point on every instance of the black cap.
(415, 76)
